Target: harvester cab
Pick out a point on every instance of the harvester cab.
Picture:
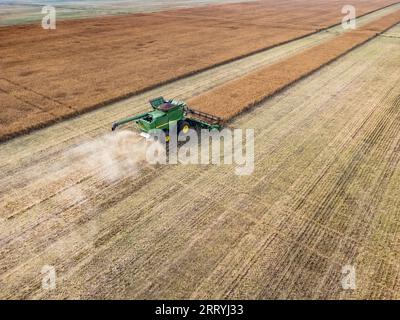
(168, 112)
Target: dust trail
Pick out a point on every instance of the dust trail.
(110, 158)
(62, 203)
(114, 156)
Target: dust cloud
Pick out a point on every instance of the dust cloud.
(109, 158)
(113, 156)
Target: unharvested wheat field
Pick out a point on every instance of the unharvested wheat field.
(324, 194)
(84, 64)
(228, 100)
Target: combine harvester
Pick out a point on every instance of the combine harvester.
(167, 113)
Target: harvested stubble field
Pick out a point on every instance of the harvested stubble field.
(47, 76)
(324, 193)
(230, 99)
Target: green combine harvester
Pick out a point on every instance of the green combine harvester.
(166, 113)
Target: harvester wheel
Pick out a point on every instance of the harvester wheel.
(184, 127)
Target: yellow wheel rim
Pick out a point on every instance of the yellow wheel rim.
(167, 138)
(185, 128)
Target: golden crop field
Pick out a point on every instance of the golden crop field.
(102, 59)
(324, 195)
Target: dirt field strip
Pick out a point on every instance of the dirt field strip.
(78, 75)
(238, 95)
(323, 148)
